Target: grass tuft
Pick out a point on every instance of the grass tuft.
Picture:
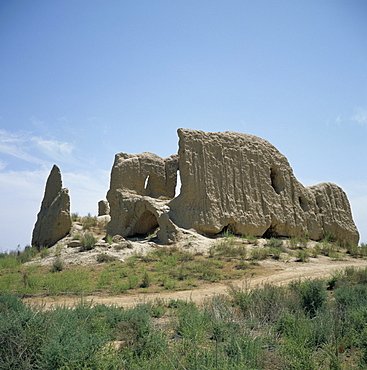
(88, 241)
(57, 265)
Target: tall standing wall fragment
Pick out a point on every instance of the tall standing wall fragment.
(243, 182)
(53, 220)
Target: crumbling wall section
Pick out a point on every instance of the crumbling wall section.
(141, 185)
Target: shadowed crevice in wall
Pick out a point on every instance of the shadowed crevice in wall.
(146, 224)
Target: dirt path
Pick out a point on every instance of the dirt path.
(272, 272)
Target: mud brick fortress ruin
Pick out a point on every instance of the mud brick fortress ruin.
(228, 181)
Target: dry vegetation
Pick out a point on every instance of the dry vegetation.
(310, 324)
(104, 267)
(304, 324)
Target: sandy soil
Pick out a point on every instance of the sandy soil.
(191, 242)
(268, 271)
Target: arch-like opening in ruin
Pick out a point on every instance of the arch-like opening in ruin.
(146, 224)
(228, 230)
(178, 184)
(276, 180)
(146, 182)
(270, 233)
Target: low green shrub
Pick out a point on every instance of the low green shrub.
(302, 255)
(74, 281)
(312, 295)
(104, 257)
(22, 334)
(88, 241)
(298, 326)
(275, 252)
(158, 309)
(351, 296)
(208, 270)
(329, 237)
(245, 351)
(146, 280)
(327, 248)
(77, 237)
(9, 261)
(251, 239)
(315, 251)
(259, 253)
(298, 242)
(192, 323)
(28, 253)
(264, 304)
(274, 243)
(169, 284)
(356, 275)
(133, 281)
(357, 251)
(228, 248)
(57, 265)
(45, 252)
(242, 265)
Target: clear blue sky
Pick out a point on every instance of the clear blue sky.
(82, 80)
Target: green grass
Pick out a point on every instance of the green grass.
(298, 242)
(75, 217)
(88, 222)
(9, 261)
(104, 257)
(310, 324)
(274, 243)
(357, 251)
(302, 255)
(14, 259)
(258, 254)
(35, 280)
(57, 265)
(251, 239)
(166, 268)
(303, 325)
(109, 239)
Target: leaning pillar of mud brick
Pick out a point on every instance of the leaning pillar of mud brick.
(141, 186)
(53, 220)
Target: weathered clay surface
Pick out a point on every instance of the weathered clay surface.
(243, 182)
(103, 208)
(53, 220)
(229, 180)
(145, 174)
(334, 212)
(141, 185)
